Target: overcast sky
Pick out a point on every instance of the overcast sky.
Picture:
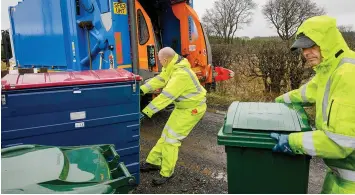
(342, 10)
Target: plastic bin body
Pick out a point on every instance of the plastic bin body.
(252, 167)
(36, 169)
(73, 109)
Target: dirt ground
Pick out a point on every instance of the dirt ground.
(201, 167)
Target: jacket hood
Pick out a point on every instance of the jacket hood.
(183, 62)
(324, 32)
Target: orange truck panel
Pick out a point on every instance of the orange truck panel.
(142, 48)
(193, 43)
(118, 40)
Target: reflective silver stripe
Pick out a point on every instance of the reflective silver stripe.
(202, 102)
(308, 144)
(149, 86)
(188, 96)
(287, 98)
(152, 107)
(172, 132)
(197, 84)
(160, 78)
(344, 173)
(303, 92)
(342, 140)
(327, 89)
(346, 60)
(168, 95)
(169, 140)
(181, 98)
(180, 58)
(325, 101)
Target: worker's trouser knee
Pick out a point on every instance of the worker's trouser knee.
(179, 125)
(164, 155)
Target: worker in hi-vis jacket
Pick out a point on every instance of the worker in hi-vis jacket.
(180, 86)
(332, 89)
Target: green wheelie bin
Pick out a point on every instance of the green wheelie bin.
(39, 169)
(252, 166)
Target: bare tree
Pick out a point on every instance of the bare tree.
(349, 35)
(287, 15)
(265, 60)
(227, 16)
(345, 28)
(223, 55)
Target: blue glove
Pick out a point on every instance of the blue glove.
(282, 143)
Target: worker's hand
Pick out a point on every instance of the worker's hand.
(282, 143)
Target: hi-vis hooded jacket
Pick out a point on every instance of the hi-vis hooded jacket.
(180, 86)
(333, 91)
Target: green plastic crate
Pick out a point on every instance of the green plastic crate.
(252, 167)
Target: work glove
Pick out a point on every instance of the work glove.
(282, 143)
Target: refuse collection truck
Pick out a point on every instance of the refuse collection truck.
(75, 35)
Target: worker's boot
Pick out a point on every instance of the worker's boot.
(161, 180)
(146, 167)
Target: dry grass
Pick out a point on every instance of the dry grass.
(240, 88)
(244, 89)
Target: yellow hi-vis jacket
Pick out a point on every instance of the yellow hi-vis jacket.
(333, 91)
(180, 86)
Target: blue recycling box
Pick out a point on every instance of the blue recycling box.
(72, 109)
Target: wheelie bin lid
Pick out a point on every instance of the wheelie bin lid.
(66, 78)
(91, 169)
(249, 124)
